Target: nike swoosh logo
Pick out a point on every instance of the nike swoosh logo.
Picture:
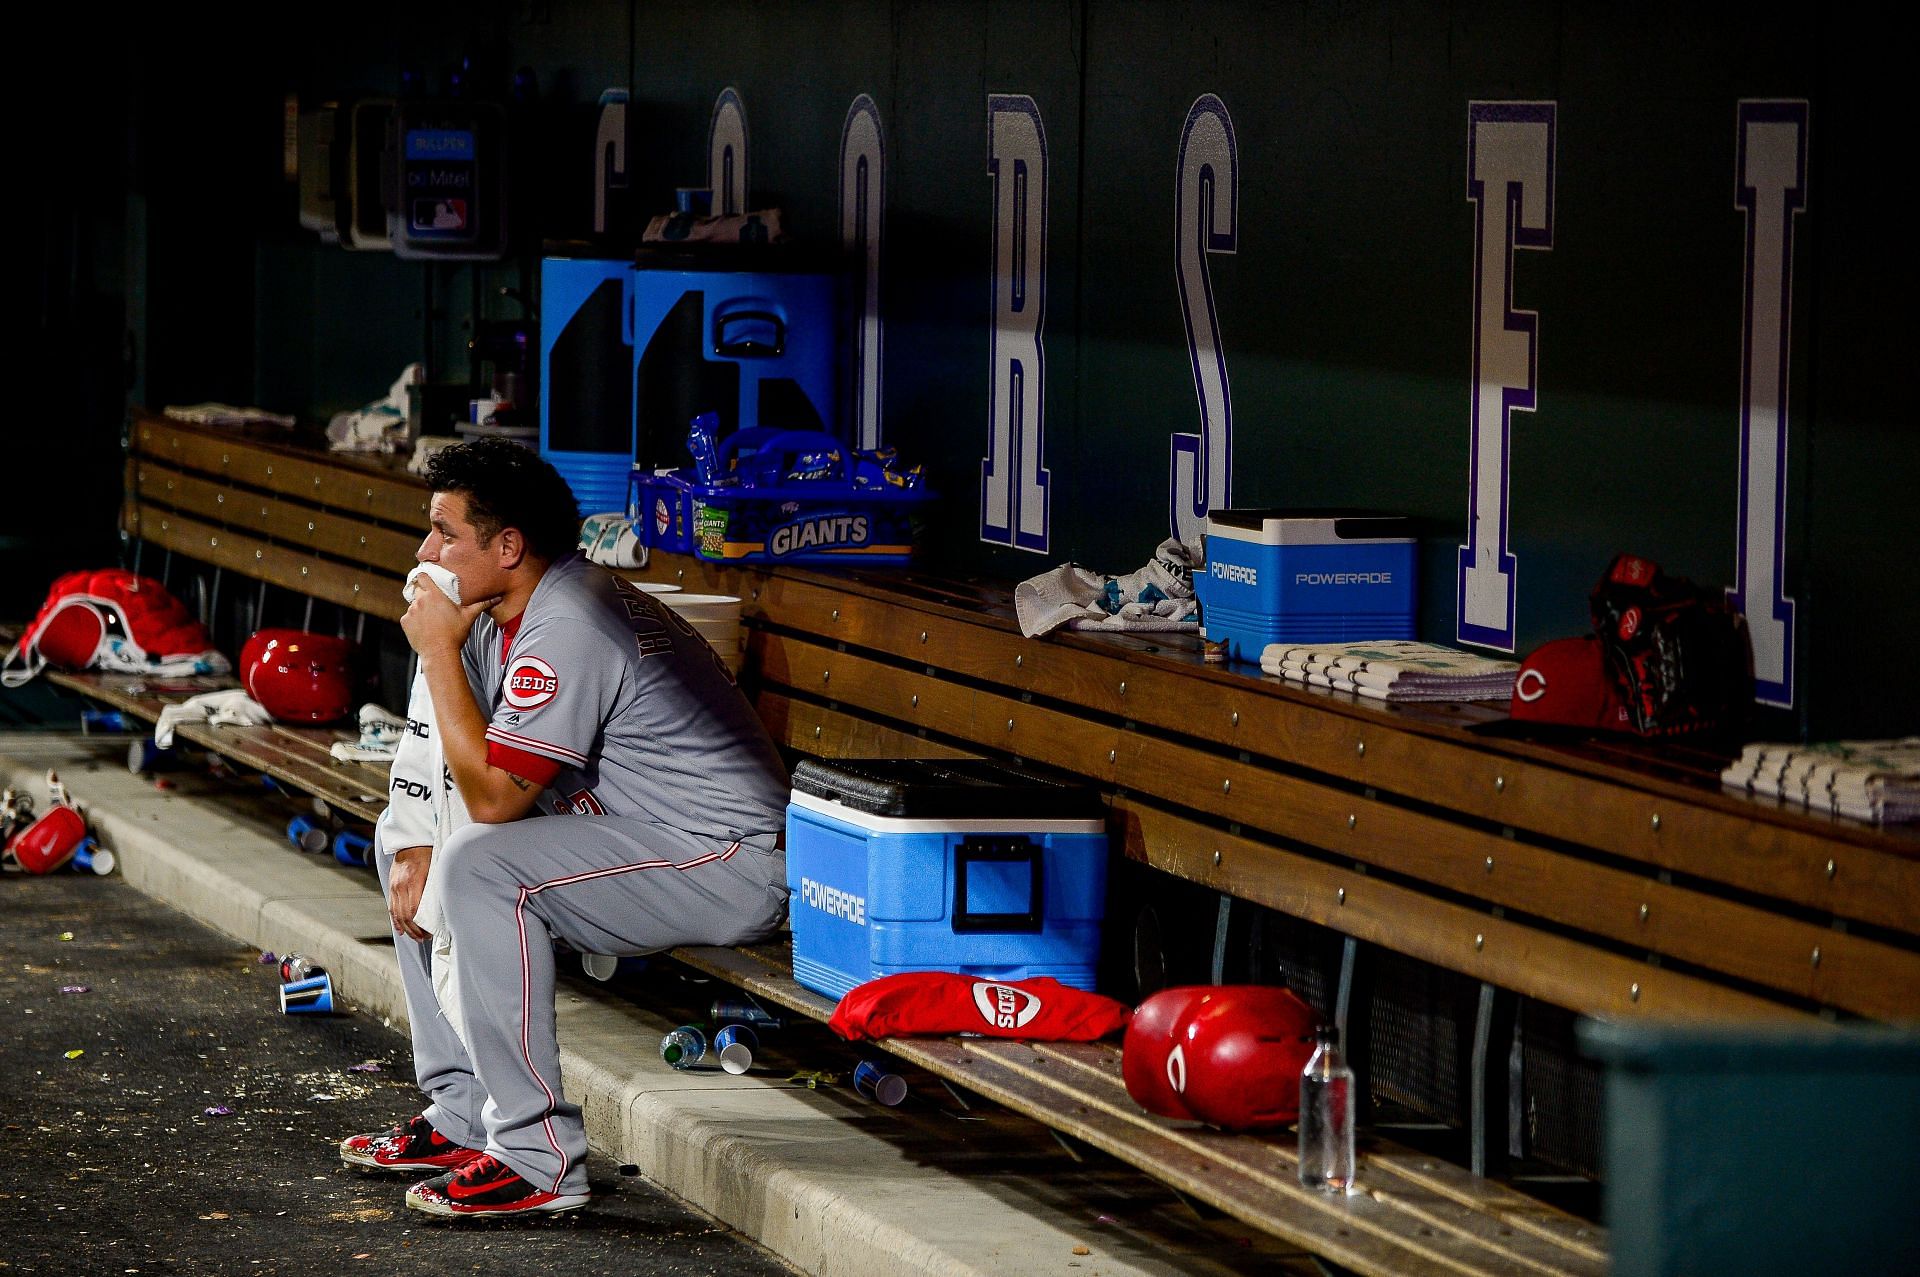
(461, 1190)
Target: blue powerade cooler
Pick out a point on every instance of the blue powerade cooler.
(1306, 576)
(921, 865)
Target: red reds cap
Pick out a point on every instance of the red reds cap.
(1567, 681)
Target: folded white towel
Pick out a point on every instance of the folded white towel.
(218, 709)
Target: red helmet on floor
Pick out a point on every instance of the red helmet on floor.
(49, 842)
(1244, 1048)
(297, 676)
(1154, 1071)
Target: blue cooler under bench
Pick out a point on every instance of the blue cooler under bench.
(933, 865)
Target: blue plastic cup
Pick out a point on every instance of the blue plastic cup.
(878, 1085)
(736, 1044)
(355, 849)
(307, 833)
(307, 997)
(102, 720)
(145, 757)
(93, 858)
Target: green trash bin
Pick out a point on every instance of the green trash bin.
(1760, 1149)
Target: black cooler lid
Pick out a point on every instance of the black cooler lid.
(945, 789)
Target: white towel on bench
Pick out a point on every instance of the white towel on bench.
(217, 709)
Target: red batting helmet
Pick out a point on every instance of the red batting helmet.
(298, 677)
(1154, 1070)
(49, 842)
(1244, 1048)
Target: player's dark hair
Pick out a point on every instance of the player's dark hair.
(510, 486)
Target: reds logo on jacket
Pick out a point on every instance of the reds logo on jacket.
(1005, 1007)
(531, 683)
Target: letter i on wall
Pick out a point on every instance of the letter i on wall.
(1206, 220)
(863, 197)
(727, 153)
(1510, 160)
(1770, 186)
(1013, 475)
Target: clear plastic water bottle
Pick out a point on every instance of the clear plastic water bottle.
(684, 1047)
(1326, 1117)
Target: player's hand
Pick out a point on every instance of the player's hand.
(435, 625)
(404, 885)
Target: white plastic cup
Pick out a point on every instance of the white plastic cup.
(736, 1044)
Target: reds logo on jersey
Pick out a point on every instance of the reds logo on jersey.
(531, 683)
(1005, 1007)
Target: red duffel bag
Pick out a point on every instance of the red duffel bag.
(112, 620)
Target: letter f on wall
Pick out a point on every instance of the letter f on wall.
(1510, 160)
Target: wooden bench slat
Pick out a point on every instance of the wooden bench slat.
(341, 483)
(297, 528)
(1562, 971)
(364, 590)
(812, 729)
(1485, 1197)
(296, 755)
(1374, 1231)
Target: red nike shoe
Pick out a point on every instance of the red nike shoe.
(411, 1146)
(487, 1186)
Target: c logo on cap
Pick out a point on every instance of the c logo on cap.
(1177, 1068)
(1520, 686)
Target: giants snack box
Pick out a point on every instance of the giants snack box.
(925, 865)
(793, 496)
(1306, 576)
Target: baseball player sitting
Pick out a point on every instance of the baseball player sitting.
(561, 692)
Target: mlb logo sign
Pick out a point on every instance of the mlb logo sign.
(531, 683)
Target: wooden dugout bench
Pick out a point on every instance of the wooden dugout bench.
(1453, 895)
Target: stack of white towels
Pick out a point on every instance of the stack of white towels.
(1398, 670)
(1872, 780)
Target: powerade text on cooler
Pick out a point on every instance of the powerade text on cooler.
(1306, 576)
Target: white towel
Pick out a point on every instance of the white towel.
(612, 541)
(421, 757)
(218, 709)
(381, 732)
(380, 426)
(1159, 596)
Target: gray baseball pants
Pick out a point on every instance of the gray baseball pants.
(440, 1062)
(603, 884)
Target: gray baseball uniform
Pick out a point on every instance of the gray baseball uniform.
(671, 798)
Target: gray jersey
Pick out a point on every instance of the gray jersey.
(641, 716)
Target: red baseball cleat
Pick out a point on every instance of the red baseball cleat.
(487, 1186)
(411, 1146)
